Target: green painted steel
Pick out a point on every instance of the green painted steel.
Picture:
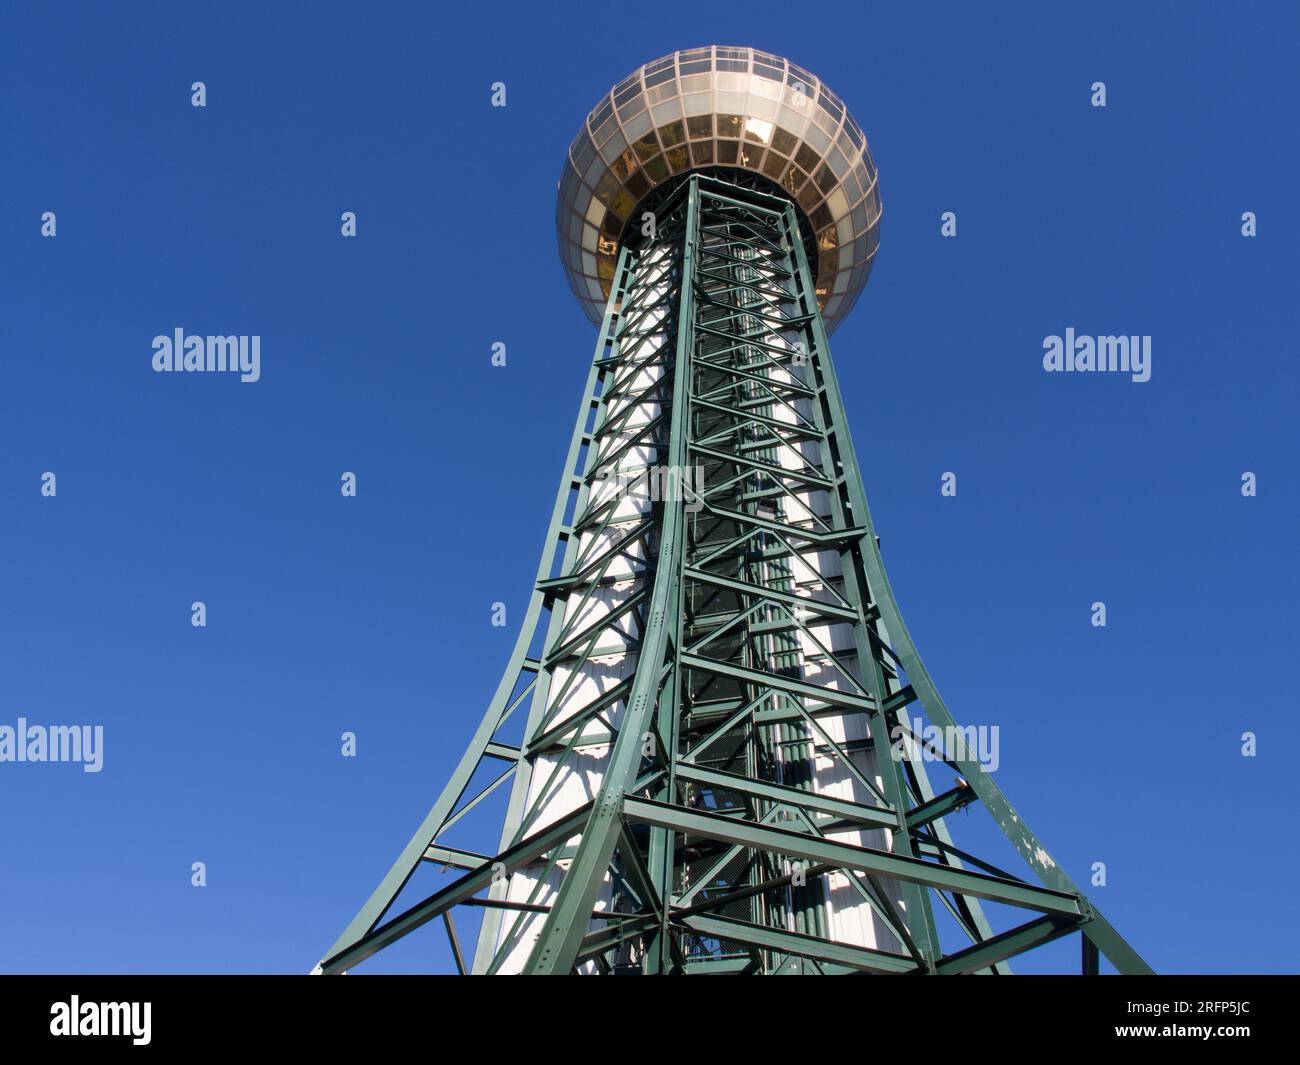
(724, 671)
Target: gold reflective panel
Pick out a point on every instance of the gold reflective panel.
(700, 126)
(807, 158)
(625, 165)
(729, 125)
(784, 141)
(665, 113)
(673, 133)
(609, 186)
(773, 165)
(656, 169)
(648, 146)
(623, 203)
(809, 196)
(758, 130)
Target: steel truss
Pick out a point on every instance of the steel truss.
(722, 666)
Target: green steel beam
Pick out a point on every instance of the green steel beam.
(809, 800)
(1008, 944)
(849, 856)
(769, 938)
(458, 891)
(561, 936)
(940, 806)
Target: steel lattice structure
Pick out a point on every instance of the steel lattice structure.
(716, 769)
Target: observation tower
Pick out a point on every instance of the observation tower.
(703, 756)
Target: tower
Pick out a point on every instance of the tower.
(704, 740)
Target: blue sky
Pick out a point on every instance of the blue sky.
(371, 614)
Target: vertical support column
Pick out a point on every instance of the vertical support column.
(849, 501)
(1091, 956)
(501, 706)
(570, 915)
(606, 352)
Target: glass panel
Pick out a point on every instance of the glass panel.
(660, 76)
(660, 93)
(601, 113)
(656, 169)
(807, 158)
(614, 147)
(830, 103)
(625, 165)
(623, 203)
(852, 188)
(583, 154)
(606, 190)
(638, 125)
(797, 75)
(673, 133)
(700, 126)
(647, 146)
(839, 165)
(815, 137)
(632, 108)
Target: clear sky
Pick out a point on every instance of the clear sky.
(372, 615)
